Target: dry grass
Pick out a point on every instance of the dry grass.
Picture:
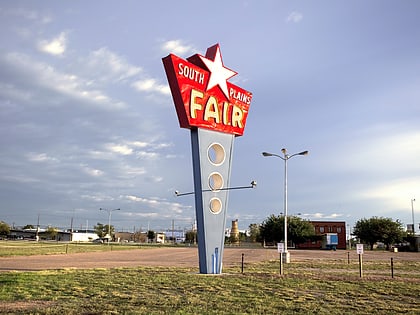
(316, 287)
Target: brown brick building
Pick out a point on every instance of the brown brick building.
(324, 227)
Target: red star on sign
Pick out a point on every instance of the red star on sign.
(219, 74)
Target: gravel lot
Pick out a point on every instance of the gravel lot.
(178, 257)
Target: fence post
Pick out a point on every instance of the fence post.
(392, 267)
(281, 264)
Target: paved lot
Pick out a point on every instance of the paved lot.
(176, 257)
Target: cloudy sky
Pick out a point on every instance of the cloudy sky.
(87, 121)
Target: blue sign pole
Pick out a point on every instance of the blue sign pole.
(212, 157)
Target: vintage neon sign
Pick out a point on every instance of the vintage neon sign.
(215, 111)
(203, 96)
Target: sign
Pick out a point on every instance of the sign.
(359, 249)
(280, 247)
(215, 111)
(203, 96)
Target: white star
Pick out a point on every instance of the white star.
(219, 74)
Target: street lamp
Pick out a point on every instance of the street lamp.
(109, 219)
(412, 214)
(285, 158)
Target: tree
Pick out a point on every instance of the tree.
(378, 229)
(272, 229)
(254, 232)
(102, 230)
(151, 235)
(190, 237)
(51, 232)
(299, 231)
(4, 228)
(140, 237)
(242, 237)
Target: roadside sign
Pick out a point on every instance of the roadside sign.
(359, 249)
(280, 247)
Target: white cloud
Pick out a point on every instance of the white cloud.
(108, 66)
(147, 155)
(98, 197)
(47, 76)
(319, 215)
(41, 157)
(159, 204)
(176, 47)
(140, 199)
(157, 179)
(151, 85)
(134, 147)
(132, 171)
(29, 15)
(120, 149)
(105, 66)
(55, 46)
(139, 144)
(20, 178)
(92, 172)
(382, 147)
(10, 91)
(294, 17)
(396, 193)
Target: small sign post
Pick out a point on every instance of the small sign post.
(359, 249)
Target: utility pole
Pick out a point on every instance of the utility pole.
(412, 214)
(109, 220)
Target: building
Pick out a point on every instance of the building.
(174, 236)
(160, 238)
(322, 228)
(80, 235)
(124, 237)
(61, 236)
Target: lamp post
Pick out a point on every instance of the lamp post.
(109, 219)
(285, 158)
(412, 215)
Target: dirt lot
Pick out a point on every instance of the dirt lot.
(178, 257)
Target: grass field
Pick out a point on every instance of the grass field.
(27, 248)
(308, 287)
